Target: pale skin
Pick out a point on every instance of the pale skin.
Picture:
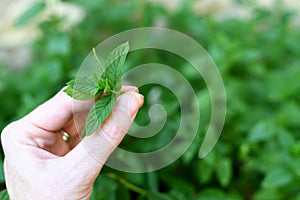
(39, 164)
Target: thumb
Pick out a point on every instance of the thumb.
(92, 152)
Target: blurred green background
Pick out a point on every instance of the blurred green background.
(256, 48)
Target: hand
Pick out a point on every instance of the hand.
(39, 164)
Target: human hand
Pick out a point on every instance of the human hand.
(39, 164)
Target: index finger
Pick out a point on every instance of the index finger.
(55, 113)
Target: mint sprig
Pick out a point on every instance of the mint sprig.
(105, 82)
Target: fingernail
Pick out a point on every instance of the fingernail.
(135, 102)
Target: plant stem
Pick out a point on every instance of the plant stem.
(128, 184)
(100, 66)
(141, 191)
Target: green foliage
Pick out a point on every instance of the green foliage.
(106, 83)
(114, 62)
(103, 81)
(98, 113)
(258, 154)
(29, 14)
(86, 88)
(4, 195)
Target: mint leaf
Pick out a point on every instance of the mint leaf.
(30, 13)
(4, 195)
(114, 62)
(102, 82)
(98, 113)
(83, 88)
(100, 67)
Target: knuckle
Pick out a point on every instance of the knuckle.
(111, 129)
(5, 133)
(8, 131)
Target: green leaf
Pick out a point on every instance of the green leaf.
(2, 177)
(178, 183)
(86, 88)
(99, 64)
(273, 194)
(104, 188)
(205, 168)
(152, 181)
(83, 88)
(4, 195)
(114, 62)
(98, 113)
(35, 9)
(262, 131)
(277, 177)
(212, 194)
(224, 171)
(204, 172)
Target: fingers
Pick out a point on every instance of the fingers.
(79, 119)
(60, 112)
(92, 152)
(129, 88)
(57, 112)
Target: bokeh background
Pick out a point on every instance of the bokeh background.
(256, 46)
